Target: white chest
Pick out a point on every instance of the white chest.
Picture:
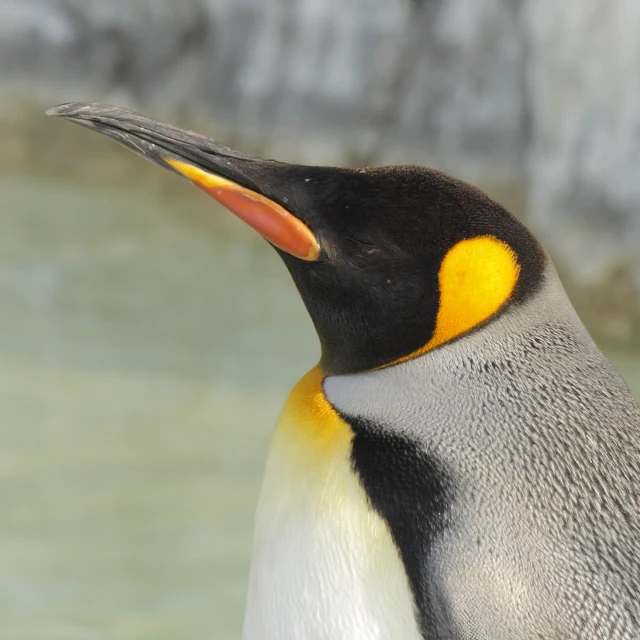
(324, 564)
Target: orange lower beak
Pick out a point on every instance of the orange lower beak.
(268, 218)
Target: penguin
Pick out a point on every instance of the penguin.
(462, 463)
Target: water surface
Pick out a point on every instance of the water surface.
(144, 356)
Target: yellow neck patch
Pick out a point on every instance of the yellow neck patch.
(477, 276)
(311, 425)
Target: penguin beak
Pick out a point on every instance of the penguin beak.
(225, 174)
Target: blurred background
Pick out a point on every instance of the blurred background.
(148, 339)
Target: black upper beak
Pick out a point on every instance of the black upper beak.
(156, 141)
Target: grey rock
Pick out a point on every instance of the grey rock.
(97, 45)
(378, 75)
(584, 80)
(458, 91)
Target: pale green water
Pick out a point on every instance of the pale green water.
(143, 360)
(144, 356)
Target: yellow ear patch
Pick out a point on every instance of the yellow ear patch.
(476, 277)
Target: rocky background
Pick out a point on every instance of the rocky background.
(537, 101)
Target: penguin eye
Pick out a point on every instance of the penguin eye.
(365, 247)
(364, 243)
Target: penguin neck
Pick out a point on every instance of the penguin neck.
(324, 563)
(310, 429)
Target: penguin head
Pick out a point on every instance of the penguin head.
(390, 262)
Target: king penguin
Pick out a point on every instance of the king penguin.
(463, 463)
